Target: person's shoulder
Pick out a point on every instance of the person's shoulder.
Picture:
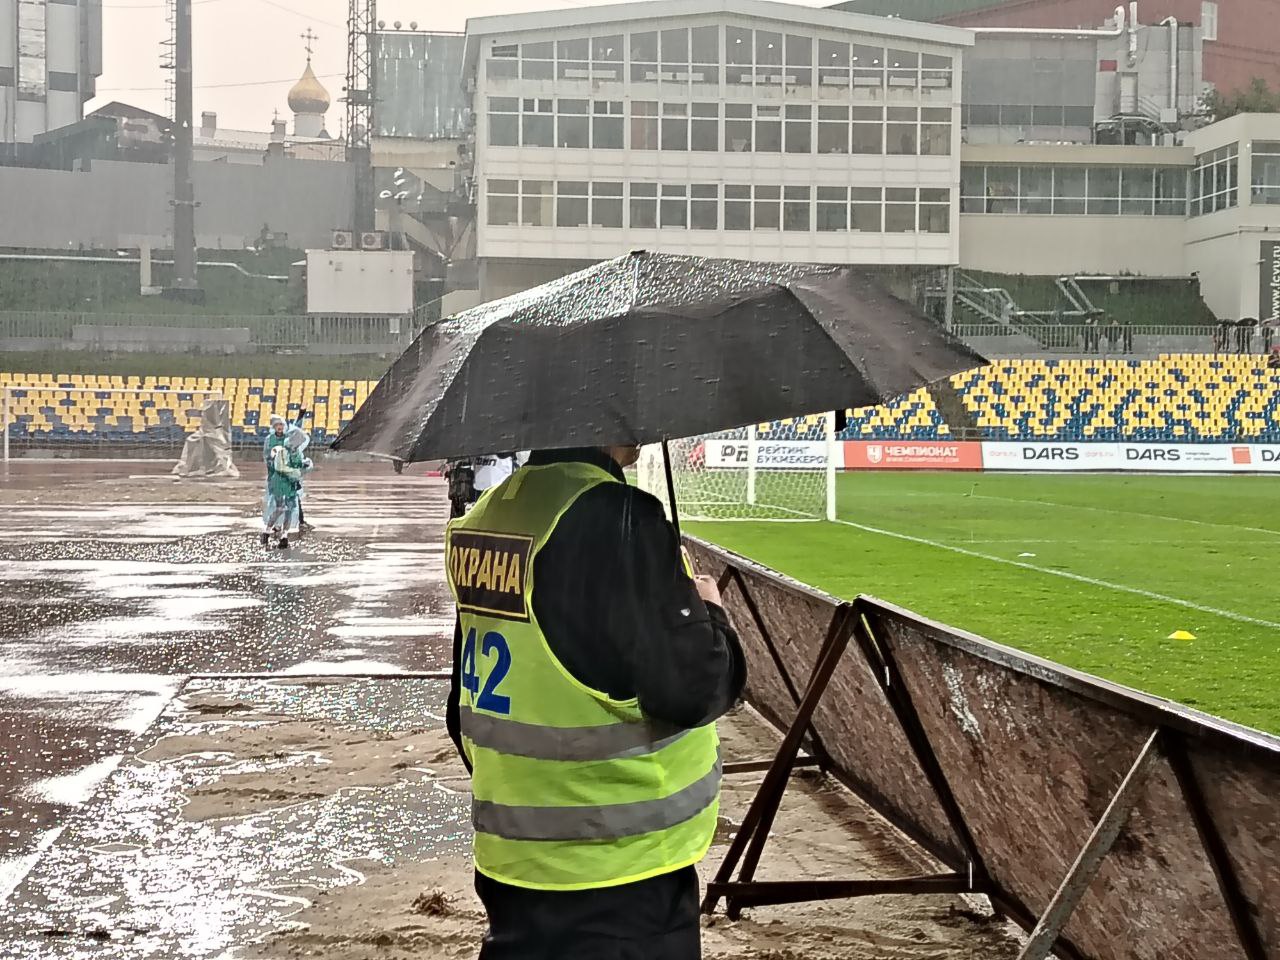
(630, 503)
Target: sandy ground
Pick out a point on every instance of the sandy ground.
(326, 758)
(428, 910)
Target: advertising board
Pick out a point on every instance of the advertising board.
(1135, 457)
(912, 455)
(770, 454)
(1054, 457)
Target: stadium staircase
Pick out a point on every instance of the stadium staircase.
(979, 303)
(960, 420)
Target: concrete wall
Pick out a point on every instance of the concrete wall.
(1228, 266)
(1045, 245)
(123, 204)
(501, 278)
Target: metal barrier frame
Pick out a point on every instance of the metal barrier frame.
(1171, 729)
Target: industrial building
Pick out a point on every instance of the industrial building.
(1241, 37)
(50, 60)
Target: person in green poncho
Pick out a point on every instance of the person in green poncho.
(285, 467)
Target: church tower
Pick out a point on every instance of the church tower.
(309, 100)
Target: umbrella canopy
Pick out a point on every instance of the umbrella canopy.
(648, 347)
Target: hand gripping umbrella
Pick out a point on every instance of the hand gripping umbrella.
(649, 347)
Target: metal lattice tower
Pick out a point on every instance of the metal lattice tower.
(361, 24)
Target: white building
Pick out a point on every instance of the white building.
(50, 59)
(736, 128)
(1233, 227)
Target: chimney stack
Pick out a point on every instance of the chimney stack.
(208, 124)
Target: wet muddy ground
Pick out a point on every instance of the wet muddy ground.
(316, 812)
(115, 582)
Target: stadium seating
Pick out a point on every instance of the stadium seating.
(1177, 397)
(913, 417)
(77, 408)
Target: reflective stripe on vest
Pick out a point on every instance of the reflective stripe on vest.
(614, 741)
(571, 789)
(598, 823)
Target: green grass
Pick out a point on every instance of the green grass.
(1163, 553)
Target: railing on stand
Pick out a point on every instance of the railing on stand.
(229, 334)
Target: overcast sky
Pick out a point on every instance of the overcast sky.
(248, 53)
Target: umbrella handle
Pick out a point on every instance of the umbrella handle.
(671, 490)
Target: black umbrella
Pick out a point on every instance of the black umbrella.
(648, 347)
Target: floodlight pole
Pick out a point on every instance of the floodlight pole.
(185, 285)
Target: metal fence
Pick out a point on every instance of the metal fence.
(226, 334)
(1104, 340)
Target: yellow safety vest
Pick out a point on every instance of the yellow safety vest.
(571, 789)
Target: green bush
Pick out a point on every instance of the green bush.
(66, 286)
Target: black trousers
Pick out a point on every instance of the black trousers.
(655, 919)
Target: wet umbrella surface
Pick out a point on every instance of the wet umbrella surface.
(650, 347)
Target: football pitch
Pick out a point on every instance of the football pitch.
(1095, 572)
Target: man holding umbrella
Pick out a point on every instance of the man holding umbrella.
(584, 702)
(589, 664)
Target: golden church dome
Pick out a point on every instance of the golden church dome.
(308, 94)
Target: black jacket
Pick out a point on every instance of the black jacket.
(619, 611)
(622, 616)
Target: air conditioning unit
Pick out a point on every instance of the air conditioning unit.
(373, 240)
(343, 240)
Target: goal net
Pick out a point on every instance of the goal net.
(778, 471)
(50, 419)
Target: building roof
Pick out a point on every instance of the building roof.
(587, 17)
(930, 11)
(119, 109)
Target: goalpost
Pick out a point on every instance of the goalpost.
(139, 422)
(769, 473)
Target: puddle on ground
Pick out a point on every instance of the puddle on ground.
(129, 877)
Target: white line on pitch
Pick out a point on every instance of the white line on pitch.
(1127, 513)
(1079, 578)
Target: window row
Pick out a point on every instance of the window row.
(1043, 189)
(708, 206)
(1021, 115)
(739, 56)
(1215, 181)
(739, 128)
(1265, 172)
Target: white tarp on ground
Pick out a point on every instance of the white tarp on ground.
(206, 455)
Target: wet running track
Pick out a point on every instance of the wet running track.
(116, 582)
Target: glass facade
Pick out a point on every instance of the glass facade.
(1073, 190)
(708, 126)
(737, 60)
(1215, 181)
(709, 206)
(1264, 172)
